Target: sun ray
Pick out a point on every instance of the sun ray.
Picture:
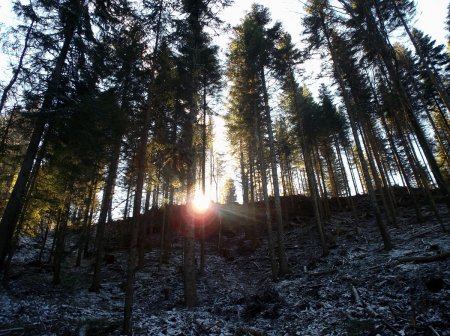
(200, 203)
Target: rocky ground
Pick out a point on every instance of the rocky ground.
(358, 289)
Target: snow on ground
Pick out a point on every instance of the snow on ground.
(358, 289)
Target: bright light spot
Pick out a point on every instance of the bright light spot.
(200, 203)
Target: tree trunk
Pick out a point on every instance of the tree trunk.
(202, 226)
(88, 234)
(55, 234)
(386, 55)
(85, 226)
(252, 192)
(127, 201)
(344, 174)
(349, 106)
(282, 258)
(262, 169)
(138, 221)
(314, 192)
(189, 269)
(44, 242)
(104, 208)
(16, 199)
(430, 72)
(17, 70)
(60, 242)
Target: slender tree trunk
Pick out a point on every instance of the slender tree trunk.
(444, 117)
(375, 174)
(189, 269)
(387, 55)
(282, 258)
(262, 169)
(55, 234)
(344, 174)
(331, 173)
(17, 70)
(167, 244)
(420, 174)
(164, 224)
(88, 235)
(380, 223)
(138, 221)
(322, 184)
(202, 226)
(147, 196)
(252, 192)
(104, 208)
(16, 199)
(6, 132)
(349, 163)
(85, 227)
(314, 193)
(29, 189)
(44, 242)
(430, 71)
(405, 175)
(127, 200)
(249, 229)
(60, 242)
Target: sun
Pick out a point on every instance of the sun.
(200, 203)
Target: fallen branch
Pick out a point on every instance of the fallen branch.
(423, 232)
(360, 301)
(357, 297)
(435, 333)
(425, 259)
(325, 272)
(8, 331)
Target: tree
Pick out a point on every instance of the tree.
(251, 56)
(229, 192)
(376, 43)
(194, 48)
(430, 70)
(318, 28)
(301, 108)
(71, 12)
(141, 159)
(19, 67)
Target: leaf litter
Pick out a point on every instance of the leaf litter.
(358, 289)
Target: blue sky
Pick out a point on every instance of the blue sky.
(430, 18)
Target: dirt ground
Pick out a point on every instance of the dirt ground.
(358, 289)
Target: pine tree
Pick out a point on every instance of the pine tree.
(71, 12)
(229, 191)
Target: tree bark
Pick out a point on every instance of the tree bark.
(85, 225)
(104, 208)
(282, 258)
(262, 169)
(16, 199)
(387, 55)
(349, 106)
(60, 242)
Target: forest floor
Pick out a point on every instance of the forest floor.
(358, 289)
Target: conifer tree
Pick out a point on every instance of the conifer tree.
(70, 13)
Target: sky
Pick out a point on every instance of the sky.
(430, 18)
